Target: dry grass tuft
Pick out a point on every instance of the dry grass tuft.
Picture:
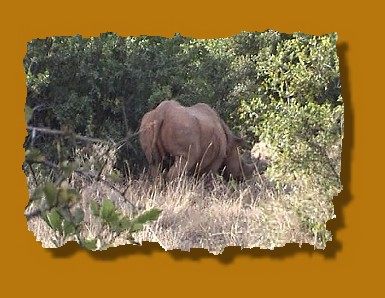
(255, 213)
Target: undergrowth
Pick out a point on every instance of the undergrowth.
(196, 213)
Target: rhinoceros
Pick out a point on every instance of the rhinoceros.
(195, 138)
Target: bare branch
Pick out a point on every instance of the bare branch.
(63, 133)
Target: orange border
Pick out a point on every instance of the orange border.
(344, 267)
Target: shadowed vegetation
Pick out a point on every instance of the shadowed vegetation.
(85, 100)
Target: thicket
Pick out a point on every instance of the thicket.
(282, 89)
(102, 86)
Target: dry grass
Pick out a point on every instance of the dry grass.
(250, 214)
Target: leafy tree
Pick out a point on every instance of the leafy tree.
(101, 87)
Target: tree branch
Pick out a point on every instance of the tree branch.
(63, 133)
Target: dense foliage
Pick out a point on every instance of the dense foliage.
(279, 88)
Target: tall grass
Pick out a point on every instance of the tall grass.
(213, 216)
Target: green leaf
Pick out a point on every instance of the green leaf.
(149, 215)
(89, 244)
(125, 223)
(145, 217)
(50, 192)
(55, 220)
(136, 227)
(115, 225)
(78, 216)
(68, 228)
(33, 155)
(65, 213)
(114, 216)
(107, 209)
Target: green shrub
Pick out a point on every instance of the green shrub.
(304, 140)
(57, 202)
(102, 86)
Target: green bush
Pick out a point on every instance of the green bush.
(303, 67)
(54, 200)
(304, 140)
(102, 86)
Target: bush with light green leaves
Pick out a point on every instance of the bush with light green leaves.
(297, 108)
(304, 140)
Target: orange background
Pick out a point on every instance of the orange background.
(351, 264)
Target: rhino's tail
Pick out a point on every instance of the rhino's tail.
(145, 135)
(148, 137)
(155, 133)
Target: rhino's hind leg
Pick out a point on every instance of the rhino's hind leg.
(180, 167)
(155, 170)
